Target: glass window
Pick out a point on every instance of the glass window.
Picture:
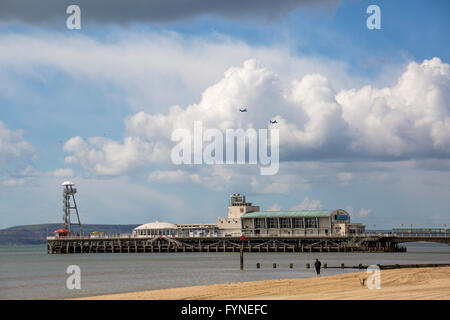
(311, 222)
(298, 223)
(285, 222)
(272, 222)
(259, 223)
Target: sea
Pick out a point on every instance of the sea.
(28, 272)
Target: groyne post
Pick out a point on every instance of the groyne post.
(241, 254)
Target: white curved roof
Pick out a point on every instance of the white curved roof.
(68, 183)
(156, 225)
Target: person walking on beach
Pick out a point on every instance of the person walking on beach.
(318, 264)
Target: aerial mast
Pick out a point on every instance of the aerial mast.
(69, 206)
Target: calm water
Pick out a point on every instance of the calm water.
(27, 272)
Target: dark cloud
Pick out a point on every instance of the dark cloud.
(156, 11)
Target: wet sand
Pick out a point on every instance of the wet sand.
(403, 284)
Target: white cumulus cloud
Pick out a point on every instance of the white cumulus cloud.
(307, 204)
(174, 176)
(107, 157)
(275, 207)
(63, 173)
(364, 212)
(16, 154)
(408, 120)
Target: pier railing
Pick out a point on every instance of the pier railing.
(408, 235)
(88, 236)
(369, 234)
(122, 236)
(420, 235)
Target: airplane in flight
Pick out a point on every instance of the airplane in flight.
(274, 121)
(243, 110)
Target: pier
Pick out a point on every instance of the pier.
(246, 229)
(161, 244)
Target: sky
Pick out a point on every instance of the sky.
(363, 114)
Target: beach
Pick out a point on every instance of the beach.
(397, 284)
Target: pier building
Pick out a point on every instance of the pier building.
(356, 229)
(155, 229)
(297, 223)
(197, 230)
(246, 219)
(237, 207)
(158, 228)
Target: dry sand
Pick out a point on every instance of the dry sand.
(404, 284)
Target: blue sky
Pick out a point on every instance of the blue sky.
(106, 79)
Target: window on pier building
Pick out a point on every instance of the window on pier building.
(237, 200)
(259, 223)
(311, 222)
(285, 222)
(272, 223)
(298, 223)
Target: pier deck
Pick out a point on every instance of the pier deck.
(121, 244)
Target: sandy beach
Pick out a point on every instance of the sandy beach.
(403, 284)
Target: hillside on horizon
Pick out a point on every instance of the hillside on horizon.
(37, 233)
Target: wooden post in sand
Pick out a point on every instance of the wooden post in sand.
(242, 257)
(242, 239)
